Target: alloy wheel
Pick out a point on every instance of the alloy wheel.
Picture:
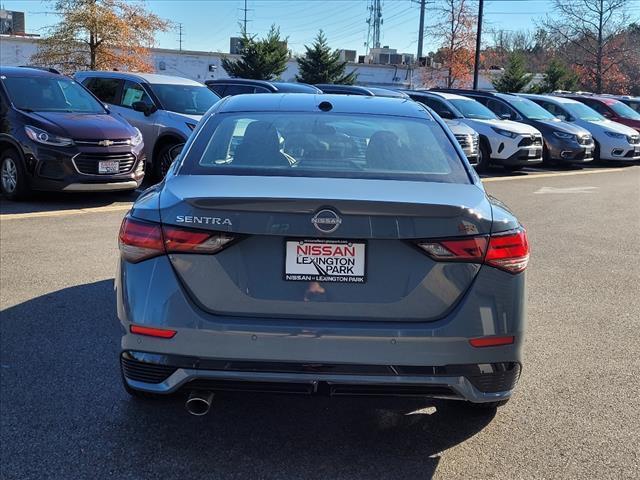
(9, 175)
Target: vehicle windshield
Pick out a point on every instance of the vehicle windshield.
(186, 99)
(530, 110)
(583, 112)
(325, 145)
(51, 94)
(625, 111)
(473, 110)
(634, 105)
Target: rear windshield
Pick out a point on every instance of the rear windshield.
(325, 145)
(50, 94)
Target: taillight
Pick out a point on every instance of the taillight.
(463, 250)
(140, 240)
(507, 251)
(194, 241)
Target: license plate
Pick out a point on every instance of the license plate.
(325, 261)
(109, 167)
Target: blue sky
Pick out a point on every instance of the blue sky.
(208, 24)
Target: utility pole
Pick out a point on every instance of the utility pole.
(245, 10)
(375, 24)
(180, 35)
(421, 29)
(476, 64)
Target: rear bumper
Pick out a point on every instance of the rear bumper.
(149, 294)
(164, 374)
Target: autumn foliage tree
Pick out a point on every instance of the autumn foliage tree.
(100, 35)
(592, 33)
(456, 52)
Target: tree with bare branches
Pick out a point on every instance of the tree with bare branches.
(591, 30)
(100, 35)
(456, 53)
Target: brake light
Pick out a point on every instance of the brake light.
(152, 332)
(491, 341)
(140, 240)
(508, 251)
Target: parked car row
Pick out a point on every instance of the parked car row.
(57, 135)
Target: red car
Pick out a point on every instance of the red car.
(611, 108)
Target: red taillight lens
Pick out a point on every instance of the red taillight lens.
(152, 332)
(464, 249)
(139, 240)
(195, 241)
(491, 341)
(509, 251)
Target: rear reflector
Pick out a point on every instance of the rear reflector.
(152, 332)
(507, 251)
(140, 240)
(491, 341)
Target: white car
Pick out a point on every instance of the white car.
(503, 142)
(614, 141)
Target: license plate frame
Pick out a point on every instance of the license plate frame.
(349, 264)
(108, 167)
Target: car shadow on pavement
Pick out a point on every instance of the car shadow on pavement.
(53, 201)
(65, 414)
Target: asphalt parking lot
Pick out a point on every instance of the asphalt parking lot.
(64, 414)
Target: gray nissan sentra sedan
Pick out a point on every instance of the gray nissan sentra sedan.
(321, 244)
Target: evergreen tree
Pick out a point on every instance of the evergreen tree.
(514, 77)
(263, 59)
(556, 77)
(321, 65)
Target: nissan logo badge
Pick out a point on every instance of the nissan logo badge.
(326, 221)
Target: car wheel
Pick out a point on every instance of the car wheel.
(165, 158)
(483, 158)
(13, 181)
(546, 158)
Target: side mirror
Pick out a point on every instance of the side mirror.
(106, 107)
(561, 117)
(144, 108)
(607, 114)
(505, 116)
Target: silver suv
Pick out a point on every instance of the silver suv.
(165, 109)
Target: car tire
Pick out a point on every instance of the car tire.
(484, 160)
(13, 179)
(163, 162)
(546, 158)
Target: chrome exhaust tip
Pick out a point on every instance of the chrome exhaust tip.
(199, 403)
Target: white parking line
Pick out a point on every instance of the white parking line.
(552, 174)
